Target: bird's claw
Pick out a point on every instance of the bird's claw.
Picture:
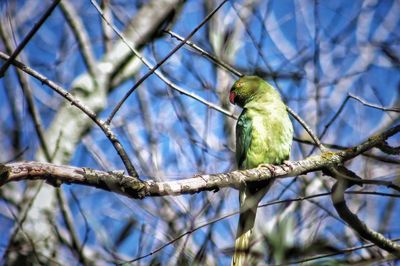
(289, 164)
(271, 168)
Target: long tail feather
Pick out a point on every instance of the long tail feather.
(249, 199)
(243, 237)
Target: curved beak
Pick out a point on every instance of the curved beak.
(232, 96)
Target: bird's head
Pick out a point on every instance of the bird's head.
(247, 88)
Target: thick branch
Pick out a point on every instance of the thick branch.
(359, 226)
(131, 187)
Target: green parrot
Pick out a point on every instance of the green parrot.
(264, 135)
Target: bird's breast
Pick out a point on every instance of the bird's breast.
(271, 138)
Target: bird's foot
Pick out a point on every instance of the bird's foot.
(271, 168)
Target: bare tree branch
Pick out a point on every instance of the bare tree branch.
(131, 187)
(88, 112)
(386, 109)
(355, 223)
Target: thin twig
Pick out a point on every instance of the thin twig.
(335, 116)
(66, 213)
(327, 125)
(340, 252)
(28, 37)
(87, 228)
(203, 52)
(340, 147)
(315, 61)
(386, 109)
(27, 236)
(307, 128)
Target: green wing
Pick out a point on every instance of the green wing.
(243, 137)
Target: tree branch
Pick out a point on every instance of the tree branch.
(116, 181)
(82, 107)
(356, 224)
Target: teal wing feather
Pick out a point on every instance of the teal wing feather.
(243, 137)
